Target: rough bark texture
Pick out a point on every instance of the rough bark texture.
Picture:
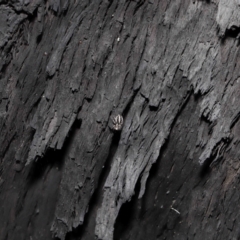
(170, 68)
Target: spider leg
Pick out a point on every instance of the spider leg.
(114, 120)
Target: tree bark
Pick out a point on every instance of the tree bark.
(169, 69)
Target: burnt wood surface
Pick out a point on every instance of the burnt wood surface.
(71, 168)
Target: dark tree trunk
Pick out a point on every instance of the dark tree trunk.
(170, 69)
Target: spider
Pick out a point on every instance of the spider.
(117, 122)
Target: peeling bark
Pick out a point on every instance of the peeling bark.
(170, 68)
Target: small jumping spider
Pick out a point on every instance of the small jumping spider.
(117, 122)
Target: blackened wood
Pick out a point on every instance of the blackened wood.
(170, 68)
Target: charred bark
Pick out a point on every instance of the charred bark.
(71, 169)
